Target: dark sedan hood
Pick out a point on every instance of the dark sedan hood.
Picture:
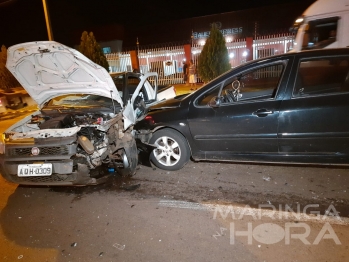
(171, 103)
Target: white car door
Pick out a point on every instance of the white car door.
(146, 89)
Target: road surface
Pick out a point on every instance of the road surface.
(204, 212)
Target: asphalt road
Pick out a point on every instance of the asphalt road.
(194, 214)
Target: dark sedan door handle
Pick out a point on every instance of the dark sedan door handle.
(262, 112)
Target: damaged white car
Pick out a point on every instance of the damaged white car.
(83, 128)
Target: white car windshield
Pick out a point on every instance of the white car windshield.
(82, 100)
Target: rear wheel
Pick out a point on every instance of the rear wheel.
(172, 151)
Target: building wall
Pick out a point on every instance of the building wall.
(238, 24)
(113, 46)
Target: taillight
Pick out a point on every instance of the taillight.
(150, 119)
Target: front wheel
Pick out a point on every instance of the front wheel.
(129, 157)
(172, 151)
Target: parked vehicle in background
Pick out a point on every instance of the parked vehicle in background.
(82, 130)
(325, 24)
(290, 108)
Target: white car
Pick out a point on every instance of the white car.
(83, 128)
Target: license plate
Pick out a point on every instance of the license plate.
(34, 170)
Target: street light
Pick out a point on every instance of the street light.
(48, 22)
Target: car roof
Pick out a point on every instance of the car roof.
(314, 52)
(305, 53)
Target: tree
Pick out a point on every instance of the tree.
(92, 50)
(213, 60)
(7, 80)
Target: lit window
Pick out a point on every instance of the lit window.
(228, 39)
(106, 50)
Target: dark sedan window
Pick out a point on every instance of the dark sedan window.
(322, 76)
(208, 96)
(261, 83)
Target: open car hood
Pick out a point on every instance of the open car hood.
(49, 69)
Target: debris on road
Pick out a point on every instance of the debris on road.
(118, 246)
(131, 187)
(266, 178)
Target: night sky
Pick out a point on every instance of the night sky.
(24, 21)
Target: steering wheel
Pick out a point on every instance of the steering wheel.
(228, 94)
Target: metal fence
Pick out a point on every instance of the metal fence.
(167, 60)
(119, 62)
(237, 52)
(272, 45)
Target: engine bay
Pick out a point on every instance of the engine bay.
(68, 120)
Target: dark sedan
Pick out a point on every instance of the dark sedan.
(290, 108)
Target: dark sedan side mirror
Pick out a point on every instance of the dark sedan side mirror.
(215, 102)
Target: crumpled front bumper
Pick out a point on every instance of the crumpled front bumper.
(57, 151)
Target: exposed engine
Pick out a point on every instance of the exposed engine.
(92, 142)
(69, 120)
(93, 146)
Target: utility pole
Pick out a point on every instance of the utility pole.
(48, 22)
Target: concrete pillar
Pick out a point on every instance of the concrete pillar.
(249, 47)
(134, 60)
(187, 52)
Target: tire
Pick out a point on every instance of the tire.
(172, 151)
(130, 158)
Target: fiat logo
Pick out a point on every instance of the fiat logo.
(35, 151)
